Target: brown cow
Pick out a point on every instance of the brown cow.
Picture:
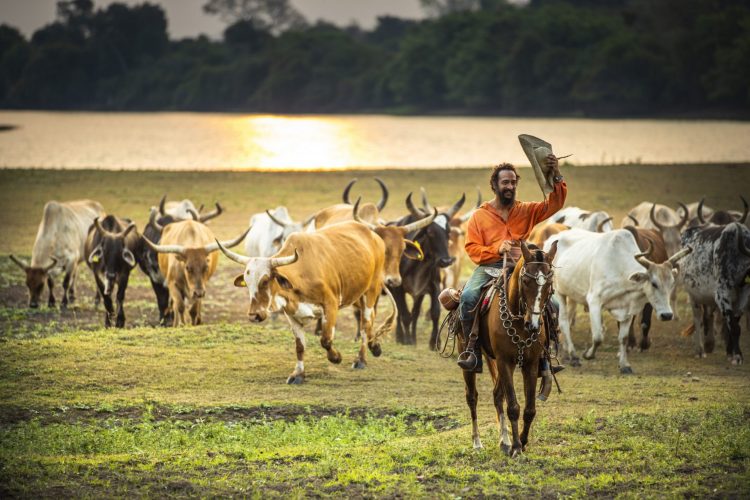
(187, 259)
(313, 276)
(541, 232)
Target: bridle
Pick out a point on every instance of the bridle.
(540, 279)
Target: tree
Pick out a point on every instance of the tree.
(271, 15)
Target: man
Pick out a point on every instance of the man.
(495, 230)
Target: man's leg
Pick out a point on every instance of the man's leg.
(469, 299)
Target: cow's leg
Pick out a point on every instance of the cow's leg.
(624, 327)
(72, 285)
(330, 314)
(122, 285)
(364, 323)
(631, 332)
(107, 299)
(414, 317)
(298, 375)
(178, 305)
(66, 287)
(597, 335)
(162, 302)
(435, 316)
(195, 312)
(472, 396)
(403, 312)
(699, 323)
(712, 322)
(51, 287)
(564, 324)
(358, 320)
(319, 327)
(530, 372)
(646, 326)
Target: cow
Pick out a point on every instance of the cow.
(185, 210)
(422, 277)
(598, 221)
(58, 248)
(607, 271)
(449, 276)
(723, 217)
(343, 211)
(148, 261)
(313, 276)
(269, 230)
(717, 275)
(654, 216)
(542, 232)
(693, 213)
(110, 249)
(187, 260)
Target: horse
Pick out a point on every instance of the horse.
(511, 334)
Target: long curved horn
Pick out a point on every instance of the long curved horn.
(600, 226)
(103, 231)
(635, 221)
(457, 206)
(164, 248)
(384, 198)
(161, 204)
(682, 253)
(355, 214)
(152, 220)
(685, 215)
(740, 244)
(54, 263)
(641, 257)
(700, 211)
(275, 220)
(23, 265)
(284, 261)
(425, 203)
(200, 208)
(419, 224)
(212, 247)
(124, 233)
(652, 214)
(412, 209)
(194, 214)
(240, 259)
(212, 214)
(345, 195)
(743, 219)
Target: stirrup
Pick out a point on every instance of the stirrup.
(468, 360)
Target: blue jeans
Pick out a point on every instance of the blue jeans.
(473, 288)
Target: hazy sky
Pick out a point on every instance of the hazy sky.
(186, 18)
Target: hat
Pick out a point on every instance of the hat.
(536, 151)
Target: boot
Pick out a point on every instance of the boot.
(545, 388)
(471, 359)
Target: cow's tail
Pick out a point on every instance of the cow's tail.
(387, 326)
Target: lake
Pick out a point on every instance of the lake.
(221, 141)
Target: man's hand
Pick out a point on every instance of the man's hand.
(551, 163)
(505, 246)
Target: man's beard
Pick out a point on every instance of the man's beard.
(507, 201)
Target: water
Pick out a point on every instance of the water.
(215, 141)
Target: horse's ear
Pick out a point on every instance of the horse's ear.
(552, 251)
(526, 253)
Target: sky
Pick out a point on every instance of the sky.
(186, 18)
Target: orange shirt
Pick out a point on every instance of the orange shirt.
(487, 230)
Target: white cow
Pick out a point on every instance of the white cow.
(58, 248)
(269, 230)
(186, 210)
(598, 221)
(607, 271)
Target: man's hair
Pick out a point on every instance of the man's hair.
(496, 174)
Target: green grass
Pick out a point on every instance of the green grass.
(162, 412)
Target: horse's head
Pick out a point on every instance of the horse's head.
(535, 283)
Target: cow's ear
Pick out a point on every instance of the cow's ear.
(128, 257)
(638, 277)
(277, 242)
(96, 255)
(413, 250)
(180, 257)
(283, 282)
(240, 281)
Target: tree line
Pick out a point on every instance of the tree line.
(545, 58)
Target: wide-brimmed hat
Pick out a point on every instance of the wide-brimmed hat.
(536, 151)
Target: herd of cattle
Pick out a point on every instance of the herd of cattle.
(348, 255)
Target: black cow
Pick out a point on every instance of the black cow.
(110, 247)
(148, 261)
(422, 277)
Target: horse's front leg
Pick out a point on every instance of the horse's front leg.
(513, 409)
(502, 421)
(530, 371)
(472, 396)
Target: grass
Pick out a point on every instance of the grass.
(91, 412)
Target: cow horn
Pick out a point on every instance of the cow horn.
(355, 214)
(124, 234)
(54, 263)
(164, 248)
(635, 221)
(682, 253)
(419, 224)
(200, 208)
(584, 215)
(152, 220)
(740, 244)
(275, 220)
(384, 198)
(103, 231)
(194, 214)
(240, 259)
(212, 247)
(345, 195)
(684, 217)
(213, 214)
(412, 209)
(658, 225)
(600, 226)
(425, 203)
(161, 204)
(284, 261)
(19, 262)
(700, 211)
(641, 257)
(457, 206)
(743, 219)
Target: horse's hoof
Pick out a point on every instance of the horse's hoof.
(359, 365)
(626, 370)
(295, 379)
(334, 357)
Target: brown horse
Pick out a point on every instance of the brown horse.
(511, 334)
